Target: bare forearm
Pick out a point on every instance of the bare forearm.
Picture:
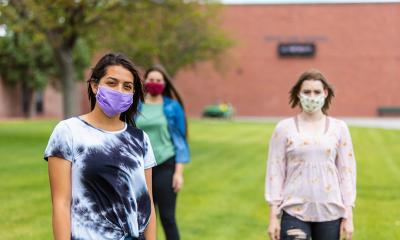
(179, 167)
(274, 223)
(273, 212)
(349, 213)
(62, 223)
(60, 185)
(150, 232)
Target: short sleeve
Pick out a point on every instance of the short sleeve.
(60, 143)
(276, 166)
(149, 159)
(346, 165)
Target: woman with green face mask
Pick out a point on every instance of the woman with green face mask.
(311, 169)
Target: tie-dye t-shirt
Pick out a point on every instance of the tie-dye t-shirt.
(109, 193)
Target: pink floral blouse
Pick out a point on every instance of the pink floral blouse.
(311, 178)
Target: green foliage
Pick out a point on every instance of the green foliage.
(46, 26)
(224, 184)
(175, 34)
(22, 59)
(82, 56)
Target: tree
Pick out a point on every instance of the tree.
(61, 24)
(177, 33)
(26, 62)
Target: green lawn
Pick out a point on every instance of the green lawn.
(224, 184)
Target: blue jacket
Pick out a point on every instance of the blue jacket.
(175, 115)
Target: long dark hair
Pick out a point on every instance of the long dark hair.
(311, 74)
(117, 59)
(169, 90)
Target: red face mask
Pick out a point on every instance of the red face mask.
(154, 88)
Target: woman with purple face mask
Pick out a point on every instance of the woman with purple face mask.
(163, 119)
(100, 164)
(311, 170)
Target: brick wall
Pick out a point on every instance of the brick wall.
(357, 49)
(10, 104)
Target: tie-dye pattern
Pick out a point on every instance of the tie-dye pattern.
(109, 194)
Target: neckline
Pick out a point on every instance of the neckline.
(153, 104)
(102, 130)
(296, 122)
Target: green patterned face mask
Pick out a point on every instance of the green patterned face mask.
(312, 104)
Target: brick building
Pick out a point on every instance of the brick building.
(356, 45)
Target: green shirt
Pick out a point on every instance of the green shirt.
(152, 120)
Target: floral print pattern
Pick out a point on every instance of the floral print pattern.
(311, 178)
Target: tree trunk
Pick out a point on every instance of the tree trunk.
(67, 71)
(27, 97)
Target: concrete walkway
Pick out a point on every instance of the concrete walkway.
(384, 122)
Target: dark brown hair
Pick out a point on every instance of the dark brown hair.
(169, 90)
(311, 74)
(117, 59)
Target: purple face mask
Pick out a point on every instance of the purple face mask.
(113, 102)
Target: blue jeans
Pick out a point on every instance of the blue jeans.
(295, 229)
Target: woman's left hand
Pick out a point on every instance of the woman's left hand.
(177, 182)
(347, 229)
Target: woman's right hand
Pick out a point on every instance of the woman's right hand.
(274, 228)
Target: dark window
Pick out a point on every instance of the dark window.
(296, 49)
(39, 102)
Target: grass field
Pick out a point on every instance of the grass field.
(223, 194)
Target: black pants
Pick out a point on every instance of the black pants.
(309, 230)
(165, 198)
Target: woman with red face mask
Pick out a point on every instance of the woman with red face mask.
(162, 117)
